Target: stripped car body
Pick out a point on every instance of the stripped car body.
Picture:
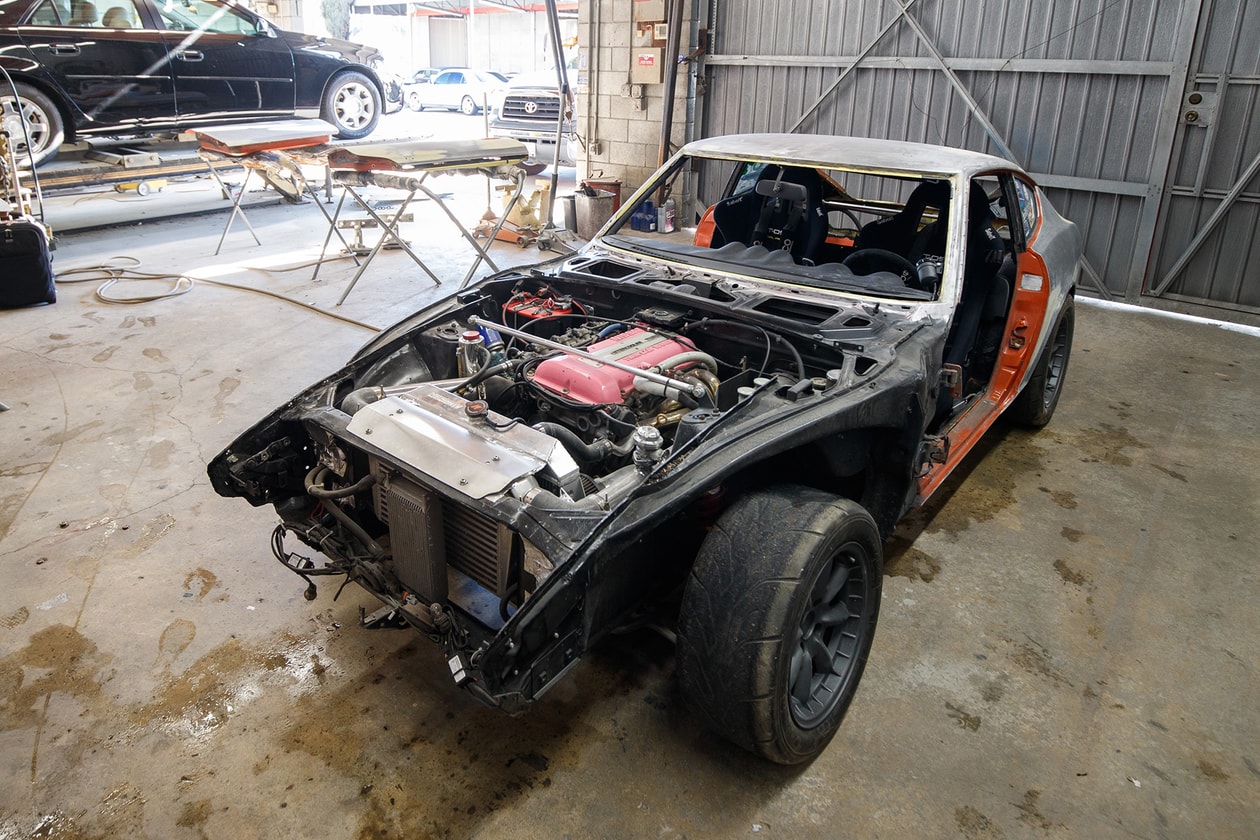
(549, 454)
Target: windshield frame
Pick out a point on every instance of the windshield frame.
(678, 179)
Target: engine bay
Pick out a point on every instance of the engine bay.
(617, 378)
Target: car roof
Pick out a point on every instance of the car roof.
(841, 152)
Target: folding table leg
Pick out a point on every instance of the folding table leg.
(236, 208)
(332, 225)
(481, 252)
(389, 230)
(471, 239)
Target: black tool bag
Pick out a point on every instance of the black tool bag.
(26, 275)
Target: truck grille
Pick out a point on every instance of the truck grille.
(544, 108)
(429, 534)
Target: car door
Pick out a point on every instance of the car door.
(447, 89)
(226, 61)
(998, 315)
(115, 75)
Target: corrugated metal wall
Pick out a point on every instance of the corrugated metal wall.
(1087, 95)
(1208, 247)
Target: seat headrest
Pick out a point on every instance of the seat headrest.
(930, 194)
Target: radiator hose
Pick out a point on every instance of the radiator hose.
(580, 449)
(315, 487)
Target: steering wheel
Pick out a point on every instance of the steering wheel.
(870, 260)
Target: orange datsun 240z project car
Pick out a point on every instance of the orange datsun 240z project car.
(718, 424)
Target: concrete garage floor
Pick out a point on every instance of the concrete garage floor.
(1068, 645)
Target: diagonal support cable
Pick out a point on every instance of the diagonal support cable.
(972, 104)
(844, 74)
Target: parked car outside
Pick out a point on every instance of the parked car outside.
(456, 89)
(712, 428)
(420, 77)
(133, 66)
(529, 111)
(425, 75)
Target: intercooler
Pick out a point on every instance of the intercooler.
(430, 536)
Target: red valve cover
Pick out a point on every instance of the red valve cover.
(585, 381)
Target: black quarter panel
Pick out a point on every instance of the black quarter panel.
(317, 60)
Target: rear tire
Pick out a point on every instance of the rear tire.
(43, 124)
(1035, 405)
(353, 104)
(777, 620)
(467, 106)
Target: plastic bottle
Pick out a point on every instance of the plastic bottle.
(668, 216)
(649, 213)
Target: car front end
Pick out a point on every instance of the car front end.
(532, 114)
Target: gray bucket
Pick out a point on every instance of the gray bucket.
(592, 212)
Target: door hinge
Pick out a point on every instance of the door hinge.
(934, 450)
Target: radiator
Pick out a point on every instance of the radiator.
(428, 535)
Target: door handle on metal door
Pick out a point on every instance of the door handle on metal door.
(190, 55)
(63, 49)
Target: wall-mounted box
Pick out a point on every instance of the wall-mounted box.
(645, 66)
(645, 10)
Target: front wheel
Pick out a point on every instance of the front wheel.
(353, 104)
(1035, 404)
(36, 121)
(413, 101)
(468, 106)
(777, 620)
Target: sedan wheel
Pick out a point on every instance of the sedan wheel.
(353, 105)
(777, 620)
(43, 125)
(468, 106)
(413, 101)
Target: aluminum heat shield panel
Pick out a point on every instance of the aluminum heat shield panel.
(427, 430)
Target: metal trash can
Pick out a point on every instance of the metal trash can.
(592, 212)
(612, 185)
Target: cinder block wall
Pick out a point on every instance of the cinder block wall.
(621, 131)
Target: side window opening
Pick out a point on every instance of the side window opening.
(1027, 198)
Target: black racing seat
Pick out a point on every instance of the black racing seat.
(783, 212)
(905, 233)
(988, 280)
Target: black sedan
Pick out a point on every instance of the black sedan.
(132, 66)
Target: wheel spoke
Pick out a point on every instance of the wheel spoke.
(802, 675)
(832, 616)
(819, 656)
(835, 582)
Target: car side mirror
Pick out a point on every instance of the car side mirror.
(266, 29)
